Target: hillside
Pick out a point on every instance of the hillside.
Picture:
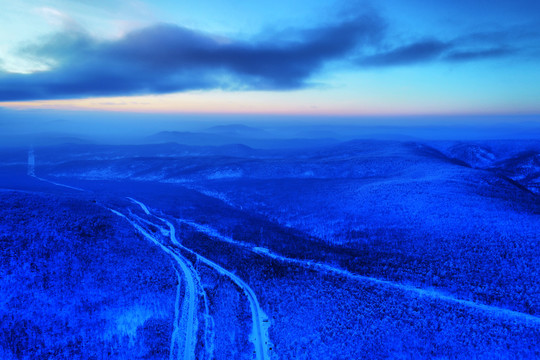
(388, 249)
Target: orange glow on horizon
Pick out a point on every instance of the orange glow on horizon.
(259, 103)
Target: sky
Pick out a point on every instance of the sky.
(350, 58)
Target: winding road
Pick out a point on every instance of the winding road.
(322, 267)
(193, 282)
(31, 171)
(259, 336)
(188, 320)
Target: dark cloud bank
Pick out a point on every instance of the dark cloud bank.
(170, 58)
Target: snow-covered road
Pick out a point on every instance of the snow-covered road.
(318, 266)
(187, 319)
(260, 323)
(181, 347)
(31, 171)
(194, 282)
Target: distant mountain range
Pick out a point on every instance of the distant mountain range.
(227, 136)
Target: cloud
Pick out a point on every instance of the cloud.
(58, 18)
(422, 51)
(464, 55)
(463, 49)
(168, 58)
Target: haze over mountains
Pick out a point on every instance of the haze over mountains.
(258, 131)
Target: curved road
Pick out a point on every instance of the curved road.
(195, 278)
(189, 305)
(259, 336)
(322, 267)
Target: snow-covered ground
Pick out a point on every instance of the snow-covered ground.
(363, 249)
